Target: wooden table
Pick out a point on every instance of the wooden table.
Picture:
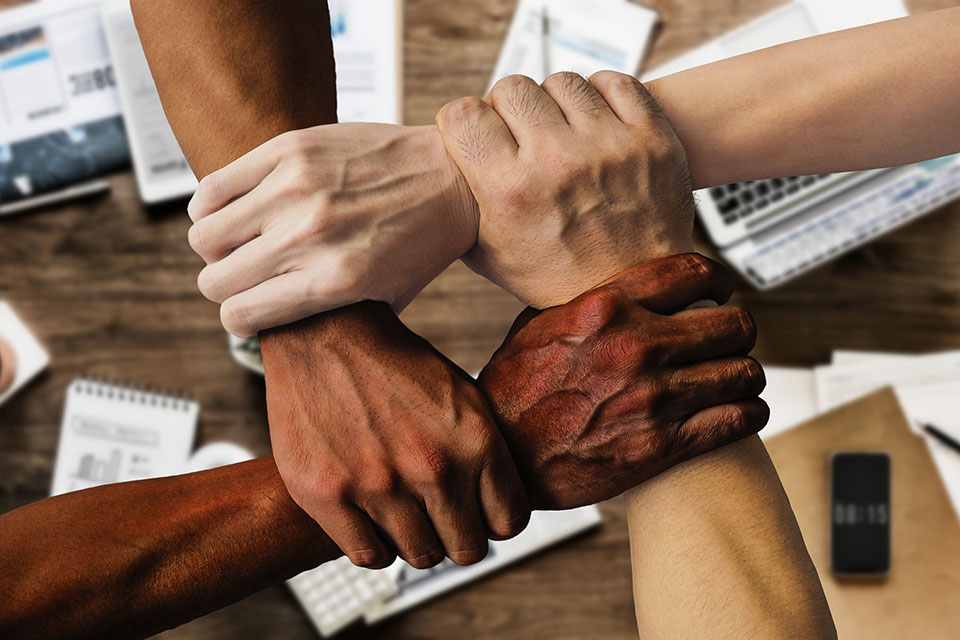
(109, 286)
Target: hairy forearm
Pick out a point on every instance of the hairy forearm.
(717, 553)
(132, 559)
(882, 95)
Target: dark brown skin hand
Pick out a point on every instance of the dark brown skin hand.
(382, 428)
(622, 383)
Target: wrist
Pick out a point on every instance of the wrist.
(460, 203)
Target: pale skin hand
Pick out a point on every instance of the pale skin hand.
(736, 119)
(309, 221)
(739, 568)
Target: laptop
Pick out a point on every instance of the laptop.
(60, 123)
(774, 230)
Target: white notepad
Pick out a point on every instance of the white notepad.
(113, 433)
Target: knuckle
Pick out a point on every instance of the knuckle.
(510, 85)
(598, 308)
(381, 483)
(434, 469)
(747, 324)
(236, 320)
(625, 350)
(511, 525)
(612, 80)
(370, 558)
(564, 80)
(735, 419)
(472, 554)
(291, 143)
(198, 240)
(209, 284)
(425, 559)
(460, 111)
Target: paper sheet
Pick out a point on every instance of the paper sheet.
(367, 45)
(791, 396)
(927, 386)
(31, 356)
(584, 36)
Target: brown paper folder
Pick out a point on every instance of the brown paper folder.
(921, 596)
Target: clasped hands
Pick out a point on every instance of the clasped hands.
(545, 190)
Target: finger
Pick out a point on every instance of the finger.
(249, 265)
(579, 101)
(721, 425)
(695, 387)
(283, 299)
(214, 236)
(355, 534)
(670, 284)
(525, 107)
(408, 531)
(237, 178)
(477, 139)
(456, 519)
(503, 498)
(627, 97)
(710, 333)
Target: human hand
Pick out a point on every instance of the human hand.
(324, 217)
(600, 394)
(386, 443)
(576, 181)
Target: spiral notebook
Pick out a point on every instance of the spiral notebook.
(115, 433)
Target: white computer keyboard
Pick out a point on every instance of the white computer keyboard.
(856, 218)
(338, 593)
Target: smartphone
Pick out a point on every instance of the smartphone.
(860, 514)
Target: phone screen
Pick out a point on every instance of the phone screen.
(860, 513)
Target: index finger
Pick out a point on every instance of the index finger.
(241, 176)
(671, 284)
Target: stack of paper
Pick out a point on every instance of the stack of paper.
(927, 386)
(584, 36)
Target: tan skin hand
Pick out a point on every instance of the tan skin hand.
(628, 383)
(383, 429)
(581, 179)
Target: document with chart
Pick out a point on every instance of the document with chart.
(114, 433)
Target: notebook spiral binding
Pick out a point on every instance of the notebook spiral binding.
(125, 392)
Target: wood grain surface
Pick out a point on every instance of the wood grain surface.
(109, 286)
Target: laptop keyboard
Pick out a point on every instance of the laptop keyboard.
(743, 199)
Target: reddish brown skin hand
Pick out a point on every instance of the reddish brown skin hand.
(598, 395)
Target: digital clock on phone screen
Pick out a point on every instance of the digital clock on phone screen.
(860, 514)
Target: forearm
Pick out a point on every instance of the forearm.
(132, 559)
(716, 550)
(882, 95)
(232, 75)
(717, 553)
(237, 75)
